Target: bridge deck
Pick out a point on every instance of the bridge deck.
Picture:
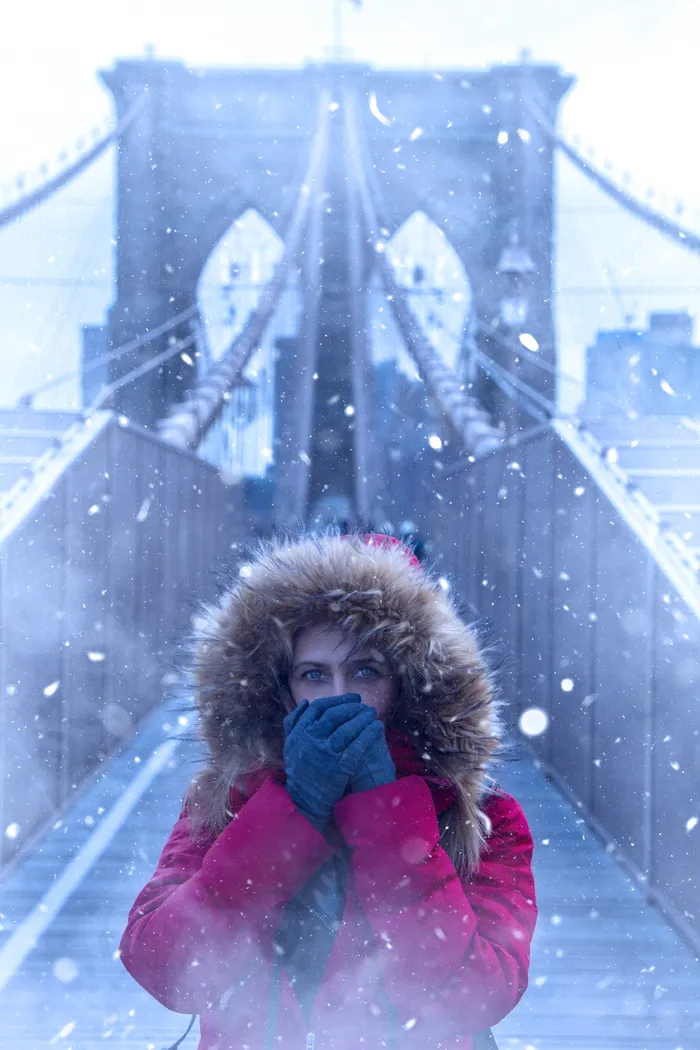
(607, 972)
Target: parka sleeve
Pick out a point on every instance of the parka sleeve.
(207, 918)
(454, 953)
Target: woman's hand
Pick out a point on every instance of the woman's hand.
(375, 766)
(324, 743)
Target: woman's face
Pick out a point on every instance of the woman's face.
(324, 665)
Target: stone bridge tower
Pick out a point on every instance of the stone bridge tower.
(462, 146)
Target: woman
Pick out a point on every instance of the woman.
(344, 873)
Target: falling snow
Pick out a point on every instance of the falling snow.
(533, 722)
(375, 111)
(143, 510)
(548, 482)
(65, 970)
(529, 341)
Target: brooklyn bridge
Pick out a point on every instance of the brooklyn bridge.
(348, 380)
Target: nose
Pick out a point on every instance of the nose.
(339, 684)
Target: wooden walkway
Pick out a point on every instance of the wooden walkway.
(607, 973)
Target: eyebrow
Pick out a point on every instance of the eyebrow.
(359, 659)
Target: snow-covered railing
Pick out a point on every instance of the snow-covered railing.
(103, 549)
(599, 615)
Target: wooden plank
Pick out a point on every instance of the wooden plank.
(608, 972)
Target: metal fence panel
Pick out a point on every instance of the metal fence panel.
(603, 644)
(623, 685)
(506, 571)
(34, 690)
(445, 522)
(488, 537)
(536, 458)
(675, 829)
(474, 583)
(97, 583)
(186, 539)
(148, 527)
(127, 661)
(88, 511)
(573, 624)
(174, 616)
(466, 484)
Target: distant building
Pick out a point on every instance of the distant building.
(648, 372)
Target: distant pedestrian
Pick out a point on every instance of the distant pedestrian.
(344, 874)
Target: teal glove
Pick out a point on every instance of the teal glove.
(323, 743)
(375, 766)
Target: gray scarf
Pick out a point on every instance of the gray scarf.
(310, 922)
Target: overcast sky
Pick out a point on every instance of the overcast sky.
(635, 100)
(635, 60)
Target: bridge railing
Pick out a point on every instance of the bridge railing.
(599, 634)
(102, 559)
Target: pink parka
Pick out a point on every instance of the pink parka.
(423, 959)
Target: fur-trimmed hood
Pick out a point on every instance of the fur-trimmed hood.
(369, 587)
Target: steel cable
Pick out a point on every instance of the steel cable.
(188, 422)
(681, 236)
(25, 401)
(465, 416)
(20, 207)
(142, 370)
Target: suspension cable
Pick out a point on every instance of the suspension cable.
(518, 390)
(25, 401)
(188, 422)
(532, 357)
(681, 236)
(515, 387)
(20, 207)
(466, 417)
(463, 412)
(142, 370)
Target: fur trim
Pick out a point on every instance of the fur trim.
(243, 655)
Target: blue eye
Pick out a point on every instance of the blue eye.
(313, 676)
(366, 672)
